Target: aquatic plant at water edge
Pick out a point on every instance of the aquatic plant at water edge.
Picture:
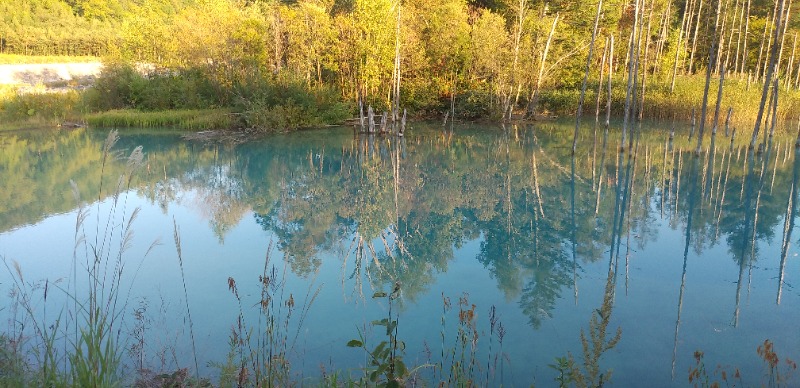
(386, 366)
(261, 350)
(80, 345)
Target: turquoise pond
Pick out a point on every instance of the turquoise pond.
(678, 252)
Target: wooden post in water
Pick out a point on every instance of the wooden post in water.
(371, 119)
(361, 113)
(402, 124)
(774, 108)
(719, 101)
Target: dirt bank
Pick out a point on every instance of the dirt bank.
(49, 73)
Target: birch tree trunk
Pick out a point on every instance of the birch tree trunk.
(610, 73)
(694, 41)
(586, 76)
(678, 48)
(600, 83)
(631, 77)
(535, 97)
(712, 57)
(644, 66)
(743, 67)
(770, 72)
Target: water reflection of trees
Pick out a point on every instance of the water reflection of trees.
(540, 214)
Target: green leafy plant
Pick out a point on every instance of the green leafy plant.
(386, 367)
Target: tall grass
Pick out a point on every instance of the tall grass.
(38, 108)
(190, 119)
(79, 344)
(688, 93)
(261, 349)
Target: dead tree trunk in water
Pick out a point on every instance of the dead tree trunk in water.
(728, 121)
(586, 76)
(774, 109)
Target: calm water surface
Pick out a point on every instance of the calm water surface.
(679, 252)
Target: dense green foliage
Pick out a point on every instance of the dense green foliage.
(478, 58)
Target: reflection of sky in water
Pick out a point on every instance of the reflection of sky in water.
(645, 303)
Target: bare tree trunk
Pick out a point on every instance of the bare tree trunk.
(631, 76)
(522, 8)
(636, 71)
(797, 78)
(770, 72)
(783, 34)
(663, 29)
(719, 100)
(535, 97)
(790, 64)
(600, 83)
(743, 67)
(728, 121)
(586, 76)
(720, 31)
(738, 39)
(694, 41)
(733, 30)
(610, 73)
(396, 71)
(712, 56)
(768, 34)
(678, 48)
(688, 33)
(774, 109)
(644, 66)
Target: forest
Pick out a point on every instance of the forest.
(281, 65)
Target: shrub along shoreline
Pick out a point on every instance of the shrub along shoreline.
(125, 95)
